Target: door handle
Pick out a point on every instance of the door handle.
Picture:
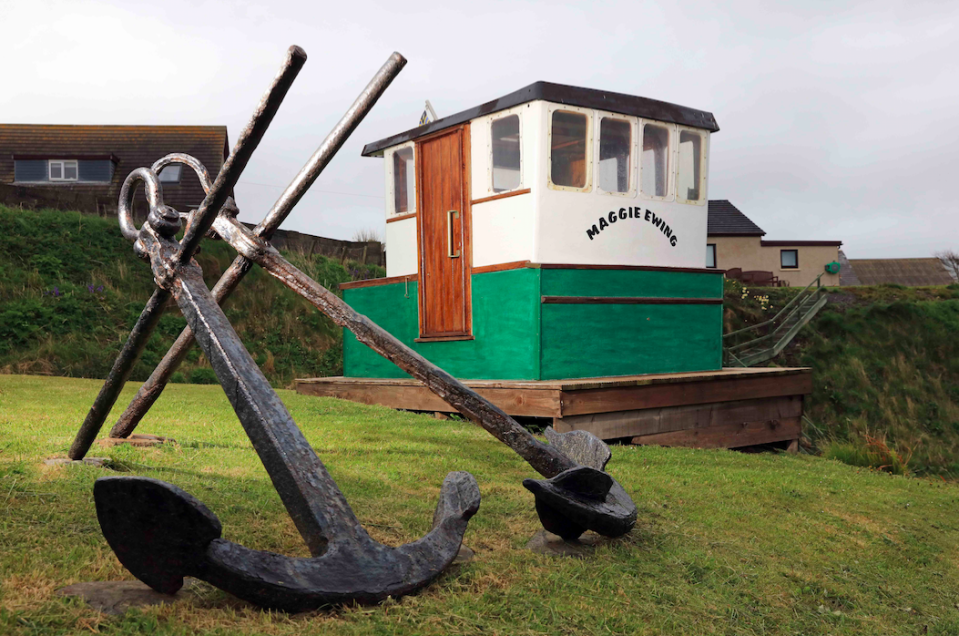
(452, 214)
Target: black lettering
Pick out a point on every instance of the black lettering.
(658, 222)
(622, 213)
(592, 232)
(612, 217)
(666, 230)
(630, 211)
(647, 214)
(672, 241)
(602, 223)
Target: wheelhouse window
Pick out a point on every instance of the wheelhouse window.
(711, 255)
(567, 149)
(63, 170)
(505, 139)
(615, 144)
(404, 182)
(689, 168)
(655, 160)
(170, 174)
(789, 259)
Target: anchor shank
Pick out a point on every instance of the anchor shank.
(122, 367)
(318, 508)
(546, 459)
(151, 390)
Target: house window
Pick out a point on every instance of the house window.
(615, 143)
(689, 168)
(63, 170)
(567, 149)
(170, 174)
(404, 182)
(789, 259)
(655, 161)
(504, 134)
(711, 255)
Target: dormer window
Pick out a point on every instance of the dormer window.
(63, 170)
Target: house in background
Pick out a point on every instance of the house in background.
(83, 167)
(734, 241)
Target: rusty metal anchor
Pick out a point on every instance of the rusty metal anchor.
(160, 533)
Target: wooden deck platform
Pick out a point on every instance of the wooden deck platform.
(730, 408)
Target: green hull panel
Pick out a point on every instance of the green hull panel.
(516, 337)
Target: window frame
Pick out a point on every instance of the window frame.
(63, 169)
(670, 149)
(588, 113)
(633, 149)
(781, 252)
(391, 183)
(714, 265)
(517, 112)
(704, 136)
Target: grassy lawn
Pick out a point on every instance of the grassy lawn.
(726, 543)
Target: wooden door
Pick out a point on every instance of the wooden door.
(444, 235)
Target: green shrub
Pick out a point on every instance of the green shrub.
(203, 375)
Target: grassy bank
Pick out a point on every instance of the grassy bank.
(71, 289)
(726, 543)
(886, 371)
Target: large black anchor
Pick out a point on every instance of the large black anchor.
(162, 534)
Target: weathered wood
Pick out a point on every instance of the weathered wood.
(628, 398)
(416, 397)
(654, 421)
(731, 435)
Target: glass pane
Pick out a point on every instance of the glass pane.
(404, 184)
(710, 256)
(56, 170)
(505, 134)
(690, 163)
(70, 170)
(790, 258)
(655, 160)
(170, 174)
(568, 150)
(615, 143)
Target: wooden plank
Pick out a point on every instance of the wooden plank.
(501, 267)
(626, 300)
(655, 421)
(728, 435)
(375, 282)
(497, 197)
(416, 397)
(401, 217)
(628, 398)
(648, 268)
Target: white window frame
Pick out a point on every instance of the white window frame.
(633, 157)
(63, 169)
(704, 135)
(589, 113)
(670, 150)
(390, 186)
(518, 112)
(173, 166)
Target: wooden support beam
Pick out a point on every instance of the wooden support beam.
(731, 435)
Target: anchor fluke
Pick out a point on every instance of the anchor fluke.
(581, 499)
(161, 534)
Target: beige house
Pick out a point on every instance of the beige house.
(734, 241)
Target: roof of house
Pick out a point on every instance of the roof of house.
(560, 94)
(913, 272)
(130, 147)
(725, 219)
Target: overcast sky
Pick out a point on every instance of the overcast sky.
(838, 119)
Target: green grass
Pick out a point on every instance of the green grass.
(71, 289)
(726, 543)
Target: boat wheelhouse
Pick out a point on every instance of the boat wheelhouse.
(557, 232)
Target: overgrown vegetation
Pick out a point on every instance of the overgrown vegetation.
(885, 363)
(726, 543)
(71, 288)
